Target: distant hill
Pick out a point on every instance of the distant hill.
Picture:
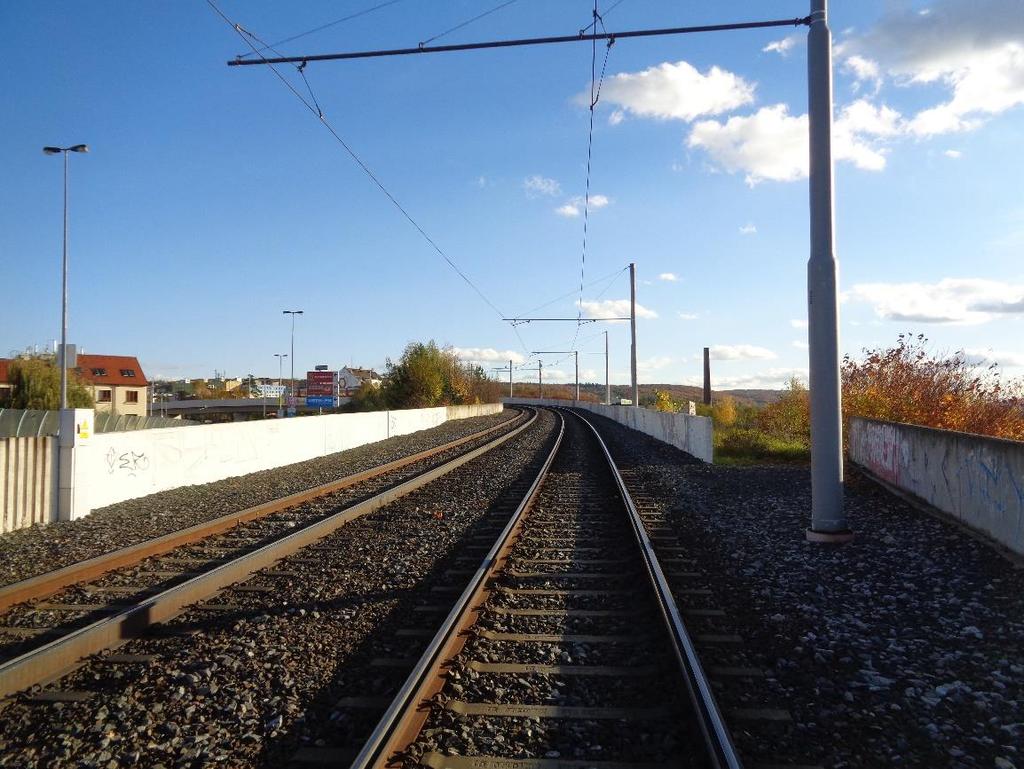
(683, 393)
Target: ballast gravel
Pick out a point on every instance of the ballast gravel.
(904, 647)
(261, 676)
(28, 552)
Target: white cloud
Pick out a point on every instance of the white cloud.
(574, 206)
(955, 154)
(769, 379)
(481, 182)
(616, 117)
(671, 277)
(488, 355)
(771, 144)
(676, 91)
(541, 185)
(748, 229)
(975, 50)
(656, 363)
(612, 308)
(800, 345)
(951, 300)
(740, 352)
(863, 70)
(783, 46)
(798, 323)
(688, 316)
(986, 357)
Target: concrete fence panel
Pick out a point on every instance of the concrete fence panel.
(119, 466)
(976, 479)
(28, 482)
(691, 434)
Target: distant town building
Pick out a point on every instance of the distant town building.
(5, 380)
(351, 379)
(116, 382)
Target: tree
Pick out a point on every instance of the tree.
(35, 384)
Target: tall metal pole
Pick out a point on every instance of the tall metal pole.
(577, 354)
(707, 376)
(291, 386)
(510, 379)
(632, 332)
(828, 521)
(540, 376)
(63, 362)
(607, 382)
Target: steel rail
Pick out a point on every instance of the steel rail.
(405, 716)
(55, 659)
(717, 737)
(50, 582)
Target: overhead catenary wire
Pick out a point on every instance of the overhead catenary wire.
(604, 16)
(609, 276)
(595, 95)
(322, 27)
(469, 21)
(314, 108)
(555, 39)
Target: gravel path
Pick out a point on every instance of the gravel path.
(28, 552)
(265, 670)
(902, 648)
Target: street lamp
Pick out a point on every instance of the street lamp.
(64, 279)
(280, 359)
(293, 313)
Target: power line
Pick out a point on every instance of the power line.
(571, 293)
(315, 110)
(351, 16)
(468, 22)
(575, 38)
(595, 95)
(603, 17)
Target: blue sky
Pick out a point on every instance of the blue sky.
(212, 199)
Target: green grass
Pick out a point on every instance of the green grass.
(748, 446)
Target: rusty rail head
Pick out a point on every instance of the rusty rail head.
(404, 719)
(49, 583)
(58, 657)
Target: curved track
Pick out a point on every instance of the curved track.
(566, 649)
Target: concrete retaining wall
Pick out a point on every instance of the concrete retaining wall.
(691, 434)
(117, 466)
(976, 479)
(28, 482)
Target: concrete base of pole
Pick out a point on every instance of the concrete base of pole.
(829, 537)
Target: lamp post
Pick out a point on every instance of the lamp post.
(64, 274)
(291, 386)
(280, 360)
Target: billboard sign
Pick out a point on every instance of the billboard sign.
(321, 383)
(320, 401)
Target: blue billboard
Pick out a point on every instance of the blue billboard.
(320, 401)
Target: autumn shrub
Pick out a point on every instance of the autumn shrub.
(663, 402)
(788, 418)
(911, 383)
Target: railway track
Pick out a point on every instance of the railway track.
(565, 650)
(101, 603)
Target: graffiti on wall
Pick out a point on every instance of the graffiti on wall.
(130, 463)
